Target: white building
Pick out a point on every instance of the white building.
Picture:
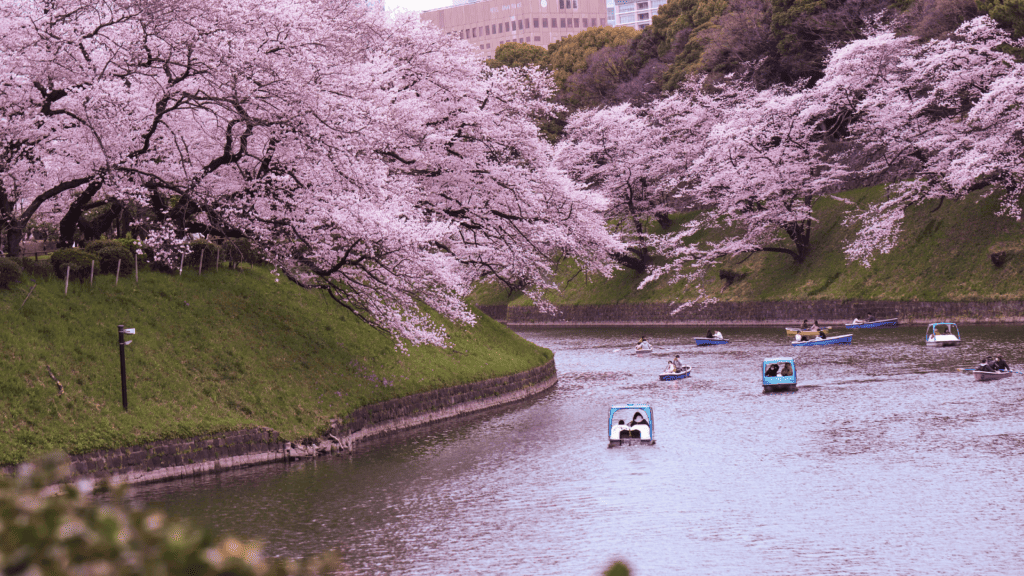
(633, 13)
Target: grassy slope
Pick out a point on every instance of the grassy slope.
(222, 351)
(942, 255)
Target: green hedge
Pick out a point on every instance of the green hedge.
(10, 272)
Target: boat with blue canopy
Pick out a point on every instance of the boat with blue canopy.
(630, 424)
(941, 334)
(887, 323)
(778, 374)
(843, 339)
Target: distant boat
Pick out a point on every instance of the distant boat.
(644, 348)
(701, 341)
(637, 424)
(844, 339)
(887, 323)
(807, 332)
(942, 334)
(778, 374)
(985, 375)
(684, 373)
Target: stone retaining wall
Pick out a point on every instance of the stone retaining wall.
(170, 459)
(756, 313)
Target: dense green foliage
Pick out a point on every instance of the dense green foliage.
(68, 533)
(227, 350)
(10, 271)
(949, 251)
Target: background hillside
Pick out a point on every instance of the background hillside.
(945, 254)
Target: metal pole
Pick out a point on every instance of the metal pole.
(124, 379)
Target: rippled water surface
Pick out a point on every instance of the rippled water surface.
(885, 461)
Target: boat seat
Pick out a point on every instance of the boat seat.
(623, 434)
(634, 434)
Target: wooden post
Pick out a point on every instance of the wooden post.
(92, 272)
(201, 255)
(67, 277)
(218, 258)
(182, 265)
(27, 297)
(136, 268)
(124, 379)
(117, 276)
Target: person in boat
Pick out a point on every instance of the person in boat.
(639, 420)
(800, 338)
(821, 335)
(804, 325)
(617, 430)
(815, 325)
(643, 344)
(787, 369)
(671, 368)
(717, 335)
(677, 363)
(986, 364)
(871, 317)
(711, 335)
(857, 320)
(1000, 364)
(772, 371)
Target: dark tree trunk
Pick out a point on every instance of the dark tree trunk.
(69, 223)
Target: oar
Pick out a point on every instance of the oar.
(966, 369)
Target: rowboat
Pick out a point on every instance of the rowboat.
(644, 348)
(844, 339)
(778, 374)
(684, 373)
(985, 375)
(710, 341)
(808, 332)
(887, 323)
(942, 334)
(630, 424)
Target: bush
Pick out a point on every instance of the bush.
(10, 272)
(69, 533)
(38, 269)
(95, 246)
(196, 249)
(110, 254)
(236, 250)
(79, 260)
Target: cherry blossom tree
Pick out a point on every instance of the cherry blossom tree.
(757, 162)
(936, 120)
(367, 155)
(613, 152)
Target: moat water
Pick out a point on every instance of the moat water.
(885, 461)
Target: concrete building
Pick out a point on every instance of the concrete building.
(633, 13)
(488, 24)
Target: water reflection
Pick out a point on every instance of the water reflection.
(886, 461)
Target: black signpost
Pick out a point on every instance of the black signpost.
(121, 331)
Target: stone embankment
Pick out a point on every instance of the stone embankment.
(761, 313)
(171, 459)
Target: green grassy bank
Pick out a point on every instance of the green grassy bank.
(943, 255)
(217, 352)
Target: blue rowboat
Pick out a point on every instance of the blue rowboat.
(675, 375)
(778, 374)
(887, 323)
(844, 339)
(710, 341)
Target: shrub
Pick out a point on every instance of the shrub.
(96, 245)
(10, 272)
(69, 533)
(38, 269)
(196, 248)
(237, 250)
(110, 254)
(79, 260)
